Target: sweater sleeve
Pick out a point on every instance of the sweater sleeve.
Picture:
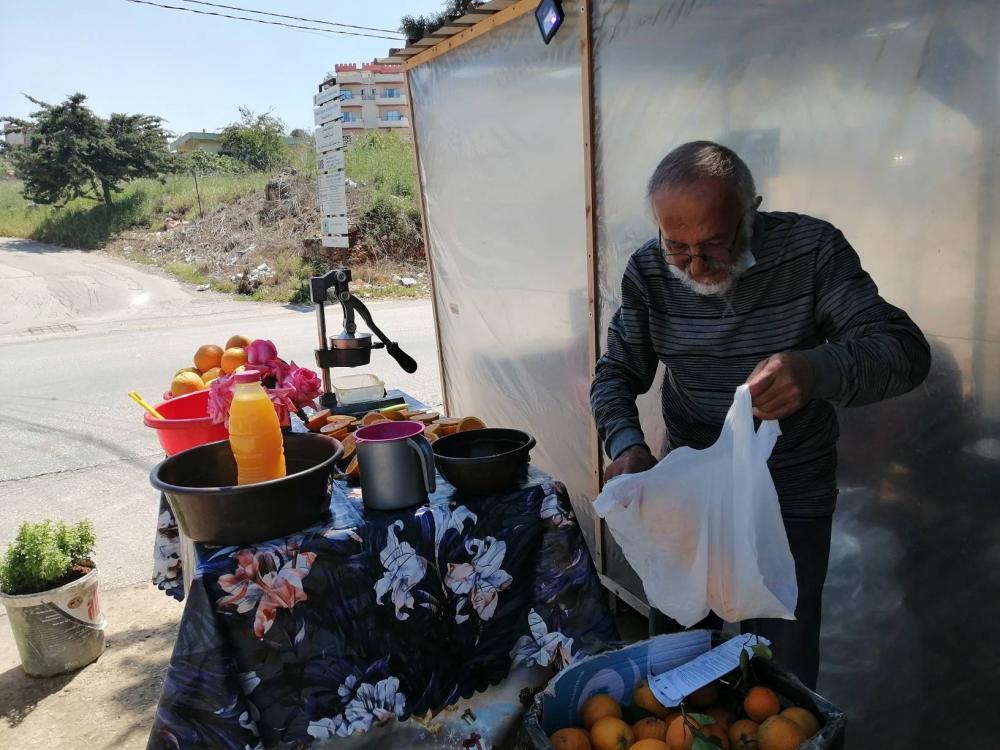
(873, 350)
(626, 370)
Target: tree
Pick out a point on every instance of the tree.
(257, 140)
(299, 133)
(72, 153)
(417, 27)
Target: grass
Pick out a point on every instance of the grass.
(384, 163)
(188, 273)
(143, 203)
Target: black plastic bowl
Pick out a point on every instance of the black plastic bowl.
(484, 461)
(200, 485)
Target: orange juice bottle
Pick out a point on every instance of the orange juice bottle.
(254, 432)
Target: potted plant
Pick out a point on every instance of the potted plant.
(48, 584)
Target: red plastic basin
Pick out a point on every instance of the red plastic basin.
(185, 423)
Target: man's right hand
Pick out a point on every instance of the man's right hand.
(631, 461)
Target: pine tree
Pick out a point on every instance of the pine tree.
(72, 153)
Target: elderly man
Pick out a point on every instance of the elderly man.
(728, 295)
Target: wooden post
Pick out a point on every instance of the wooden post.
(427, 243)
(593, 329)
(197, 190)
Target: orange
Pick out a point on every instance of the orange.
(703, 697)
(643, 697)
(761, 703)
(743, 735)
(723, 717)
(809, 723)
(241, 342)
(185, 382)
(570, 739)
(610, 733)
(195, 370)
(679, 734)
(649, 745)
(207, 357)
(233, 358)
(209, 375)
(598, 707)
(650, 728)
(779, 733)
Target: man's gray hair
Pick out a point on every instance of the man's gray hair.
(696, 160)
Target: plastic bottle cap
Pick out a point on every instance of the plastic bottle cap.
(248, 376)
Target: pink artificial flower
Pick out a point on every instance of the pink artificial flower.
(220, 399)
(283, 404)
(278, 368)
(261, 351)
(305, 384)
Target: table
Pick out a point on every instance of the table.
(372, 617)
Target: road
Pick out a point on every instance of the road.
(79, 330)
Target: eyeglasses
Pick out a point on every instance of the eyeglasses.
(713, 261)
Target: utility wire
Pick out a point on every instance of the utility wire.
(258, 20)
(292, 18)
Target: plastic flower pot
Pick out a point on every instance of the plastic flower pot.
(59, 630)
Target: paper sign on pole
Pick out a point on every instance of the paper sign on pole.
(326, 95)
(332, 194)
(329, 137)
(330, 162)
(327, 113)
(333, 225)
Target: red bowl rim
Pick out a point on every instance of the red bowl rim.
(176, 424)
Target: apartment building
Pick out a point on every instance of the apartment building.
(373, 97)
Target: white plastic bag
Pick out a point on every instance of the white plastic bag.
(703, 528)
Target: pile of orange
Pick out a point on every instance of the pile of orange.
(211, 362)
(715, 713)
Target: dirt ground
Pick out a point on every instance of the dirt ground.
(108, 704)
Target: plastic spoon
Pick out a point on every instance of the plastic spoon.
(134, 395)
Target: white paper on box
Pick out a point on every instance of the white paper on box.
(330, 162)
(332, 194)
(327, 113)
(669, 653)
(329, 137)
(672, 686)
(333, 225)
(335, 241)
(326, 95)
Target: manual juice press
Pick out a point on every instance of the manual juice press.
(350, 347)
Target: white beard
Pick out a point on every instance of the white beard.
(715, 288)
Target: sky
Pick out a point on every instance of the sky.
(195, 71)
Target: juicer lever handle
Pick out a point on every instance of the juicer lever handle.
(408, 363)
(402, 358)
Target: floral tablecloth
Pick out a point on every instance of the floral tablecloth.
(375, 617)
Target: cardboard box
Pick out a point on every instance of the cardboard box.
(617, 672)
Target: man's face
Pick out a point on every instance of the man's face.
(700, 227)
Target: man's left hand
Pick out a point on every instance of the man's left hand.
(781, 385)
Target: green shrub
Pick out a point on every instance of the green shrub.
(205, 162)
(43, 554)
(388, 228)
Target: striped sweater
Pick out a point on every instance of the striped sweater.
(806, 292)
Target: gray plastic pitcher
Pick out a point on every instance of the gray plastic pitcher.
(396, 463)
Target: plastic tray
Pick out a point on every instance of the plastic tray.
(353, 389)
